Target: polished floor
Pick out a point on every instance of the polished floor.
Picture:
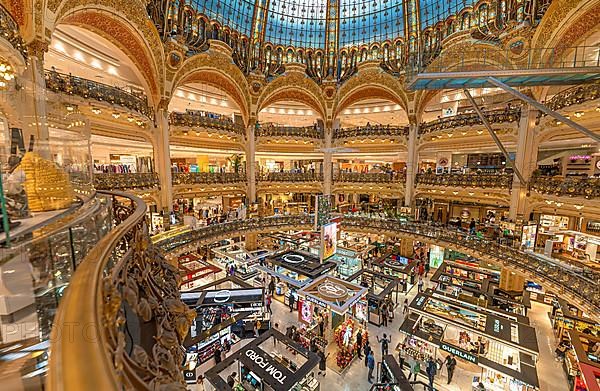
(550, 372)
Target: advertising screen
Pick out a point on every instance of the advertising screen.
(436, 256)
(328, 240)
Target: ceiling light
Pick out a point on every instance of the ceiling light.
(116, 115)
(578, 114)
(471, 193)
(455, 192)
(479, 131)
(578, 207)
(130, 119)
(96, 110)
(70, 108)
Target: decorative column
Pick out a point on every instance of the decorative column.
(250, 150)
(328, 156)
(525, 161)
(32, 105)
(412, 163)
(162, 160)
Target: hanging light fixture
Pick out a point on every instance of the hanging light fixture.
(96, 110)
(7, 73)
(116, 115)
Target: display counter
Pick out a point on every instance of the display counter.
(397, 266)
(382, 289)
(582, 361)
(391, 377)
(195, 272)
(271, 362)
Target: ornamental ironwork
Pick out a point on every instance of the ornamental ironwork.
(572, 187)
(198, 121)
(290, 177)
(370, 177)
(500, 180)
(126, 181)
(208, 178)
(507, 115)
(305, 132)
(574, 96)
(371, 131)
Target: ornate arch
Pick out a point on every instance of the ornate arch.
(296, 87)
(217, 70)
(370, 83)
(20, 10)
(125, 25)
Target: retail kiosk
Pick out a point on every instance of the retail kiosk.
(348, 262)
(195, 271)
(501, 353)
(582, 361)
(271, 362)
(398, 266)
(244, 261)
(226, 311)
(342, 309)
(382, 288)
(294, 270)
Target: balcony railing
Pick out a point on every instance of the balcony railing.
(89, 89)
(126, 181)
(373, 177)
(121, 322)
(470, 119)
(312, 132)
(574, 96)
(371, 131)
(195, 120)
(498, 181)
(290, 177)
(573, 187)
(9, 30)
(207, 178)
(586, 288)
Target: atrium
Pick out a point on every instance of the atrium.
(304, 195)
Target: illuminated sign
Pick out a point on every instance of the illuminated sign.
(333, 290)
(222, 296)
(265, 363)
(459, 353)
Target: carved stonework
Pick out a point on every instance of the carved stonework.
(582, 28)
(37, 48)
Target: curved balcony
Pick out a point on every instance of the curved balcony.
(371, 131)
(588, 188)
(208, 178)
(471, 119)
(89, 89)
(9, 30)
(585, 288)
(574, 96)
(485, 181)
(304, 132)
(195, 120)
(126, 181)
(290, 177)
(122, 312)
(372, 177)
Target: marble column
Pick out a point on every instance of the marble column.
(162, 161)
(250, 150)
(328, 157)
(412, 163)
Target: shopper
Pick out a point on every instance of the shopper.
(405, 308)
(367, 350)
(322, 362)
(472, 226)
(272, 286)
(450, 365)
(268, 304)
(415, 368)
(370, 365)
(420, 284)
(431, 371)
(383, 311)
(384, 344)
(291, 301)
(231, 379)
(321, 326)
(402, 356)
(217, 355)
(427, 267)
(359, 343)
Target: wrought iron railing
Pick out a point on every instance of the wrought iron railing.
(585, 288)
(126, 181)
(289, 131)
(573, 187)
(203, 178)
(372, 177)
(89, 89)
(502, 181)
(371, 131)
(9, 30)
(471, 119)
(573, 96)
(196, 120)
(290, 177)
(121, 322)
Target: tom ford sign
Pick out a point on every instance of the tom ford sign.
(459, 353)
(267, 366)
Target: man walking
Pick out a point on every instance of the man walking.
(292, 301)
(431, 371)
(371, 365)
(359, 343)
(450, 365)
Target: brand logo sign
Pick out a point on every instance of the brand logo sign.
(333, 290)
(459, 353)
(268, 367)
(294, 258)
(222, 296)
(189, 376)
(316, 301)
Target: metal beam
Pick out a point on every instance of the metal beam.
(544, 109)
(509, 162)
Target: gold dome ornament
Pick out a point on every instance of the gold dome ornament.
(47, 186)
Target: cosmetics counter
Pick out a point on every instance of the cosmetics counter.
(582, 361)
(382, 289)
(397, 266)
(195, 271)
(271, 362)
(566, 316)
(348, 262)
(391, 377)
(341, 308)
(244, 261)
(501, 353)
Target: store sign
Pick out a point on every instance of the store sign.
(222, 296)
(294, 258)
(419, 302)
(333, 290)
(315, 300)
(459, 353)
(265, 363)
(189, 376)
